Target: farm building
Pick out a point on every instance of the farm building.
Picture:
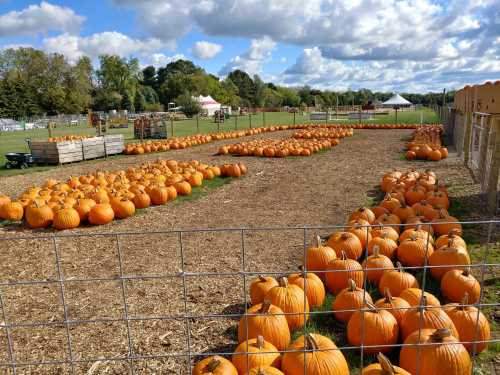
(208, 105)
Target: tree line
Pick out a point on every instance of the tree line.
(33, 83)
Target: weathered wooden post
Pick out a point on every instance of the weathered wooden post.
(492, 195)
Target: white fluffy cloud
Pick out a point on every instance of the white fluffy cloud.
(41, 18)
(312, 68)
(352, 38)
(109, 42)
(253, 59)
(160, 59)
(205, 50)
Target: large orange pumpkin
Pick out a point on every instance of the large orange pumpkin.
(101, 214)
(350, 298)
(257, 352)
(265, 320)
(215, 365)
(434, 352)
(372, 327)
(340, 271)
(292, 300)
(316, 354)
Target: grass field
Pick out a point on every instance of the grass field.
(16, 141)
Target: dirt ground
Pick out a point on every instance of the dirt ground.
(316, 191)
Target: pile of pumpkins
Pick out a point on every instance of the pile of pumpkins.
(101, 197)
(322, 133)
(271, 148)
(176, 143)
(426, 144)
(68, 138)
(406, 314)
(385, 126)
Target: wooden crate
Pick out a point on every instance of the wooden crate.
(114, 144)
(93, 148)
(57, 152)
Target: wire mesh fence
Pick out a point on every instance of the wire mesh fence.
(158, 302)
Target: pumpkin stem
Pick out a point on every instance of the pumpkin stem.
(351, 285)
(466, 272)
(399, 266)
(388, 295)
(344, 236)
(310, 343)
(284, 282)
(262, 278)
(465, 301)
(343, 255)
(440, 335)
(424, 302)
(318, 241)
(260, 342)
(376, 251)
(371, 306)
(386, 365)
(266, 304)
(211, 366)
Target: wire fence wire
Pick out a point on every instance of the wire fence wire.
(18, 315)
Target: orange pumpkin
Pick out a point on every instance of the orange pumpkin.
(101, 214)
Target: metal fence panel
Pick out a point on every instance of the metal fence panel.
(88, 302)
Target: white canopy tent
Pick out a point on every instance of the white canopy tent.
(208, 104)
(397, 100)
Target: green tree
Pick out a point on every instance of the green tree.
(78, 86)
(289, 96)
(190, 107)
(127, 102)
(149, 76)
(139, 102)
(118, 74)
(245, 85)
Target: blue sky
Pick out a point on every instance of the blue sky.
(392, 45)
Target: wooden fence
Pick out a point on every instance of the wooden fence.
(476, 138)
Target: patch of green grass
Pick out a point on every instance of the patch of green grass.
(200, 191)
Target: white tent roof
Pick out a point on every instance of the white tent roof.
(207, 101)
(397, 99)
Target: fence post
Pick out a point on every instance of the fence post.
(467, 136)
(49, 128)
(171, 126)
(492, 192)
(294, 117)
(326, 117)
(236, 122)
(250, 119)
(264, 118)
(142, 128)
(197, 124)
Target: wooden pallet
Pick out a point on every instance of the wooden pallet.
(114, 144)
(93, 148)
(57, 152)
(75, 151)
